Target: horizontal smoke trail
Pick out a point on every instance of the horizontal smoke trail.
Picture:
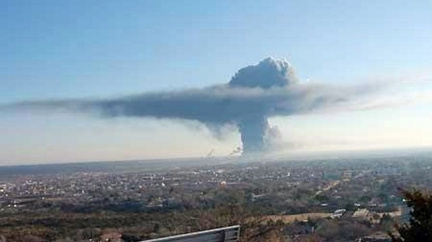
(253, 94)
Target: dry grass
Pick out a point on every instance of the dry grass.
(292, 218)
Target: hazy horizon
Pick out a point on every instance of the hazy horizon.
(293, 155)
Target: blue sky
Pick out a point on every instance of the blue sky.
(72, 49)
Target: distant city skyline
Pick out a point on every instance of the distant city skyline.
(80, 49)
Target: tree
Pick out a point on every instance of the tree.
(420, 223)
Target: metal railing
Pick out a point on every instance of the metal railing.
(226, 234)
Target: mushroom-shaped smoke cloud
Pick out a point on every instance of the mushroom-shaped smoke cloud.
(254, 94)
(269, 73)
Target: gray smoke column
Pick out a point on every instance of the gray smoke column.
(254, 94)
(253, 131)
(269, 73)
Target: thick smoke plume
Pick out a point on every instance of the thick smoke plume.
(254, 94)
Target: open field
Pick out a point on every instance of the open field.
(293, 217)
